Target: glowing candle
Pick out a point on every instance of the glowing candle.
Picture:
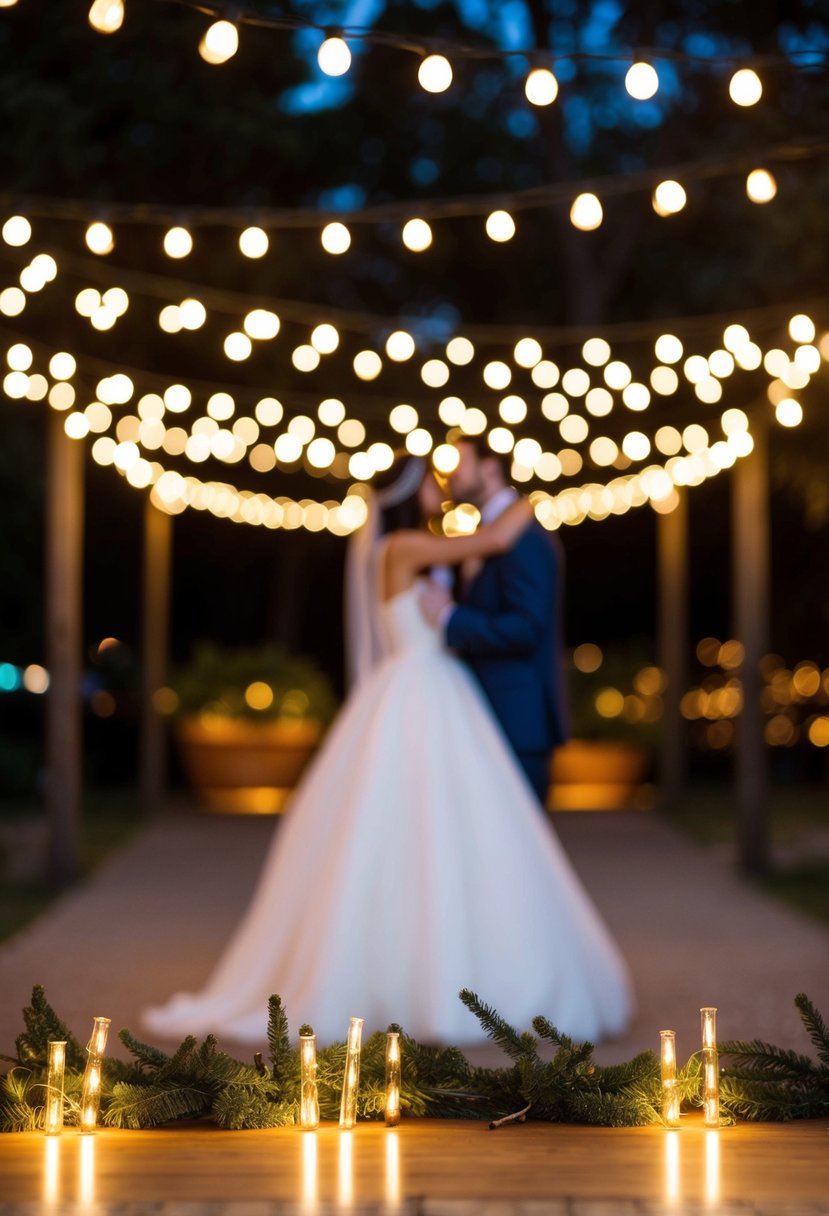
(708, 1018)
(670, 1093)
(392, 1078)
(54, 1087)
(309, 1107)
(351, 1077)
(91, 1091)
(710, 1068)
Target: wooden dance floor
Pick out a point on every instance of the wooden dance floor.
(423, 1168)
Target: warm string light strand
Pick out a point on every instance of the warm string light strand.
(668, 187)
(580, 397)
(435, 57)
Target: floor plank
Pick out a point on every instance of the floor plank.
(424, 1168)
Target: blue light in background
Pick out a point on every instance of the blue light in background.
(10, 677)
(347, 197)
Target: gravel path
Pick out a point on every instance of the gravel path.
(153, 919)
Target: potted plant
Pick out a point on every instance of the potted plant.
(247, 723)
(616, 704)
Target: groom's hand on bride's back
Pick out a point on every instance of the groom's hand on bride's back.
(511, 523)
(436, 604)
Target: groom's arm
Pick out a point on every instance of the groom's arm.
(529, 597)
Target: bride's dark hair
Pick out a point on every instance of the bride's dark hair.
(405, 513)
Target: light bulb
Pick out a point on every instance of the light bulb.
(17, 231)
(745, 87)
(417, 235)
(220, 42)
(761, 186)
(435, 74)
(335, 238)
(253, 242)
(641, 81)
(334, 57)
(106, 16)
(177, 242)
(500, 226)
(669, 198)
(99, 238)
(400, 346)
(541, 87)
(586, 212)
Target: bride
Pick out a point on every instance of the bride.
(413, 860)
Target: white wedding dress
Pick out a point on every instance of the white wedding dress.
(413, 861)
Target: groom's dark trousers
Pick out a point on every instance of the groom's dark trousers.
(508, 628)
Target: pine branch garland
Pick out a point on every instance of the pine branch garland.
(816, 1028)
(145, 1106)
(198, 1080)
(43, 1024)
(278, 1041)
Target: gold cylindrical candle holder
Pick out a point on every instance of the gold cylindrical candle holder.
(53, 1120)
(710, 1068)
(670, 1093)
(392, 1078)
(351, 1077)
(91, 1091)
(309, 1106)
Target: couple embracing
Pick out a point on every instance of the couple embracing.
(414, 859)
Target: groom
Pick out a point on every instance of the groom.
(507, 624)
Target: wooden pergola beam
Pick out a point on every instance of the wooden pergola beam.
(152, 762)
(751, 543)
(64, 647)
(672, 625)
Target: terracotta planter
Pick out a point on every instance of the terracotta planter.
(600, 775)
(241, 767)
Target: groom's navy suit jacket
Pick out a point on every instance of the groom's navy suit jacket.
(508, 628)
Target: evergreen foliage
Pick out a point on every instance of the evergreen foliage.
(766, 1082)
(198, 1080)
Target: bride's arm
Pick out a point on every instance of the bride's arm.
(410, 551)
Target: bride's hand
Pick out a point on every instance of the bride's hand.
(506, 529)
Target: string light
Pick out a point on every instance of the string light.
(497, 374)
(789, 413)
(99, 238)
(254, 242)
(417, 235)
(106, 16)
(219, 43)
(761, 186)
(334, 57)
(435, 74)
(400, 346)
(335, 238)
(669, 197)
(178, 242)
(261, 324)
(17, 231)
(527, 352)
(367, 365)
(745, 87)
(642, 81)
(500, 226)
(586, 212)
(207, 438)
(541, 87)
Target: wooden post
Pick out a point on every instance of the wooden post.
(672, 618)
(64, 646)
(154, 654)
(751, 567)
